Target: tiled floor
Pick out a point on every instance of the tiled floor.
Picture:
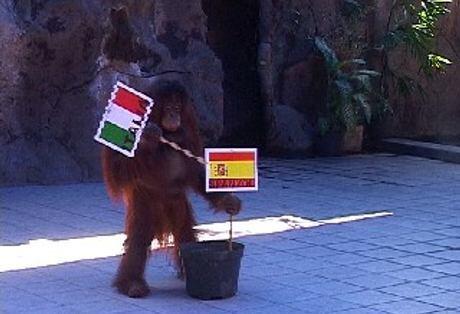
(405, 263)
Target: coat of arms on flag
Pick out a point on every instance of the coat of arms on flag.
(231, 170)
(124, 119)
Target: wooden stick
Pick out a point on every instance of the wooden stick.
(230, 241)
(186, 152)
(200, 160)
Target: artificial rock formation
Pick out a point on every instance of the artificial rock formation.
(59, 60)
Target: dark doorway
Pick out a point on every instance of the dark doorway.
(233, 36)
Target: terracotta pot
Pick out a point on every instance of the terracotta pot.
(340, 143)
(352, 141)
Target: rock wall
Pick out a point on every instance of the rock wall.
(59, 60)
(292, 73)
(47, 113)
(435, 112)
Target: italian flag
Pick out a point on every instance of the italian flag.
(124, 119)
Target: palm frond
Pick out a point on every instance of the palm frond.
(332, 62)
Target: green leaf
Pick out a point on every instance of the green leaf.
(439, 60)
(349, 118)
(362, 103)
(417, 32)
(323, 125)
(332, 62)
(352, 61)
(369, 73)
(363, 81)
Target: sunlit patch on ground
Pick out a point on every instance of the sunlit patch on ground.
(43, 252)
(268, 225)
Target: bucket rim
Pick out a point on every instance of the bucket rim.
(236, 245)
(216, 249)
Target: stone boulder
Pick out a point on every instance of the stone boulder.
(289, 129)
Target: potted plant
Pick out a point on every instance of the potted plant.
(348, 109)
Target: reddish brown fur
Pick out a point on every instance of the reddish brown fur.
(153, 186)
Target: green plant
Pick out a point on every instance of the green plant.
(414, 26)
(350, 90)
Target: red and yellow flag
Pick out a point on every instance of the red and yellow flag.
(231, 170)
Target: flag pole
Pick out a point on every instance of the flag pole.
(230, 241)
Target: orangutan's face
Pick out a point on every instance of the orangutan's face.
(171, 114)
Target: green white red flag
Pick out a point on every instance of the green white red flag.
(124, 119)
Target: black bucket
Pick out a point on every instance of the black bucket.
(211, 269)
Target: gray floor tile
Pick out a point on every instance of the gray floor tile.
(286, 295)
(412, 290)
(419, 260)
(449, 232)
(362, 310)
(369, 297)
(374, 281)
(332, 288)
(241, 302)
(423, 236)
(384, 253)
(446, 283)
(381, 266)
(274, 309)
(415, 274)
(451, 268)
(407, 307)
(450, 300)
(389, 241)
(338, 272)
(309, 264)
(267, 270)
(420, 248)
(315, 251)
(448, 255)
(452, 243)
(323, 305)
(350, 259)
(352, 246)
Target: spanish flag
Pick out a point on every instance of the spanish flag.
(231, 170)
(124, 119)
